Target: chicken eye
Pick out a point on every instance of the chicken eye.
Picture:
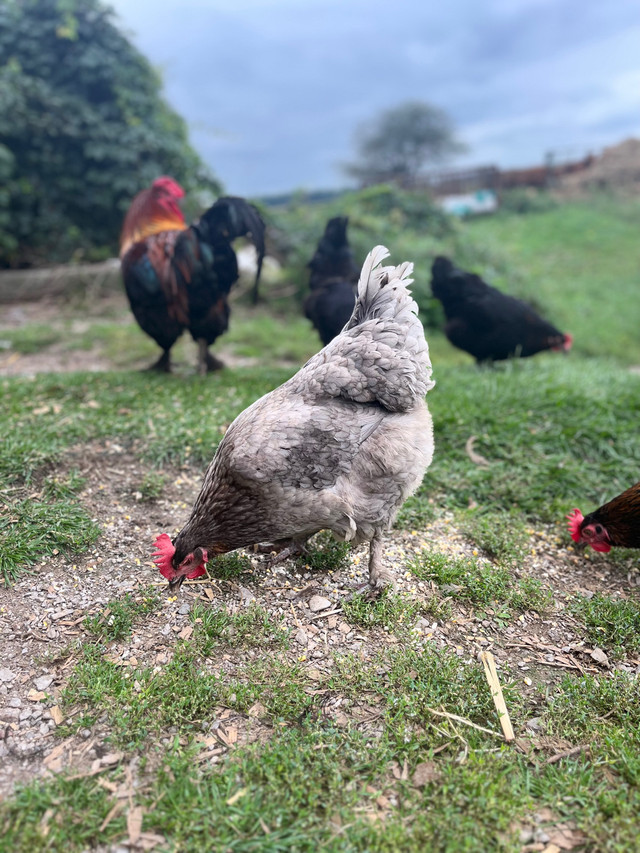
(598, 529)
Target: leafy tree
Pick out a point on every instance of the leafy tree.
(83, 127)
(397, 144)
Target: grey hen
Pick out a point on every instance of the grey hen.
(340, 446)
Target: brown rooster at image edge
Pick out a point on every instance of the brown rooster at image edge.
(338, 447)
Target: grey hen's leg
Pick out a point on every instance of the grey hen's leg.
(379, 577)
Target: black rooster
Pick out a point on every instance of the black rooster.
(489, 324)
(180, 279)
(333, 281)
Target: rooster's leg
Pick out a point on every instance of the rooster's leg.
(207, 363)
(163, 364)
(379, 577)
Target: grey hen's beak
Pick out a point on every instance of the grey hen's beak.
(176, 583)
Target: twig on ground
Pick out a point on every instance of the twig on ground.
(489, 663)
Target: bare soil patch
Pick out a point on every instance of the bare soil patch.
(42, 615)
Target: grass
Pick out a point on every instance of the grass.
(388, 611)
(229, 566)
(32, 530)
(311, 782)
(117, 619)
(325, 554)
(611, 623)
(501, 535)
(250, 626)
(481, 583)
(544, 459)
(335, 749)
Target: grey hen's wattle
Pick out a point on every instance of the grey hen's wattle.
(339, 446)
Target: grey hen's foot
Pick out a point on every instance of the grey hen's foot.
(162, 365)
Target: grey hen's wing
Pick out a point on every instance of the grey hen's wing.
(284, 439)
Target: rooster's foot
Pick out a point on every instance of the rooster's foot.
(212, 363)
(162, 365)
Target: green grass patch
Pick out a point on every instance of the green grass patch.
(611, 623)
(501, 535)
(229, 566)
(62, 814)
(152, 486)
(117, 619)
(32, 338)
(325, 554)
(388, 611)
(251, 626)
(31, 530)
(481, 583)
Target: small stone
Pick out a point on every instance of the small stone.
(6, 675)
(44, 729)
(600, 657)
(534, 724)
(184, 609)
(301, 637)
(344, 628)
(15, 702)
(247, 596)
(317, 603)
(9, 715)
(43, 682)
(85, 733)
(25, 715)
(541, 836)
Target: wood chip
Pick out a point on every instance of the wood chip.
(476, 458)
(36, 695)
(55, 753)
(186, 632)
(489, 663)
(425, 772)
(134, 824)
(113, 812)
(235, 797)
(56, 714)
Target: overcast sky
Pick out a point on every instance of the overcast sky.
(274, 89)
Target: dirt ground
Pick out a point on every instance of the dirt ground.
(42, 615)
(41, 618)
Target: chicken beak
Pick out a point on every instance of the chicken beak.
(176, 583)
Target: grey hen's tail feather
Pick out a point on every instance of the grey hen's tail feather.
(381, 355)
(383, 292)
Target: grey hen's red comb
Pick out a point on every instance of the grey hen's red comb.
(163, 555)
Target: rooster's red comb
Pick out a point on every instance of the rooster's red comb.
(163, 554)
(575, 522)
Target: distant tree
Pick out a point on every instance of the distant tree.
(83, 127)
(397, 145)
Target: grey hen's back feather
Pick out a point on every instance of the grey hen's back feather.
(344, 441)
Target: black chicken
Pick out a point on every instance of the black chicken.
(180, 279)
(489, 324)
(333, 281)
